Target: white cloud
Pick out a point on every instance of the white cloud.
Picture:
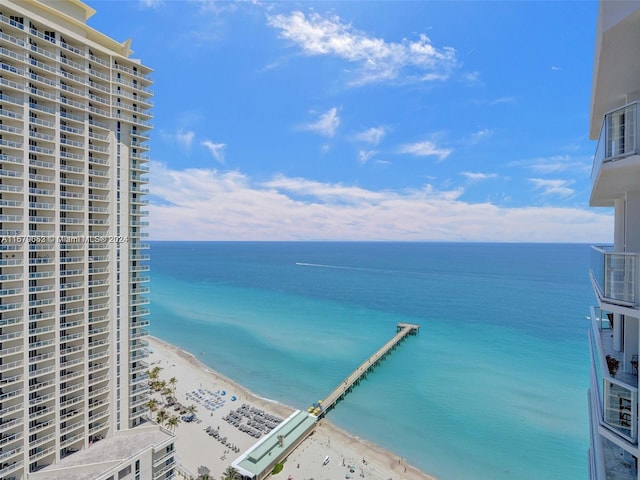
(216, 149)
(497, 101)
(205, 204)
(210, 24)
(326, 125)
(326, 192)
(431, 77)
(376, 59)
(555, 164)
(558, 163)
(425, 149)
(555, 68)
(372, 135)
(151, 3)
(478, 176)
(365, 155)
(185, 138)
(480, 135)
(553, 187)
(217, 7)
(472, 78)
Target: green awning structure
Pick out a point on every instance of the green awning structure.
(257, 462)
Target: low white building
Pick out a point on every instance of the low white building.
(137, 453)
(258, 462)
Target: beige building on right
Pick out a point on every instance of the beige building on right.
(614, 336)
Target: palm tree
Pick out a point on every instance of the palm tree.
(152, 404)
(172, 422)
(192, 409)
(153, 373)
(231, 474)
(172, 383)
(204, 473)
(162, 416)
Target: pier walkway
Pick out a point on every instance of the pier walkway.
(402, 329)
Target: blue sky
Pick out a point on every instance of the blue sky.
(439, 121)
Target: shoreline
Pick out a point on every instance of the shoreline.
(195, 448)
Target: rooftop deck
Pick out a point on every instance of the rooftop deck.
(106, 454)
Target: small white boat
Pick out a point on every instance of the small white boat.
(326, 460)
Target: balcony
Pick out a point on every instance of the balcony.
(139, 402)
(11, 466)
(615, 156)
(615, 398)
(615, 276)
(167, 470)
(8, 424)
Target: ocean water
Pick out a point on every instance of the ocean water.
(493, 387)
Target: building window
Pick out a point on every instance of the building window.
(124, 472)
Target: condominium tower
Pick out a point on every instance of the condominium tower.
(615, 270)
(74, 124)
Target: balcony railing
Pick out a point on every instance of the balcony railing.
(618, 137)
(617, 398)
(616, 275)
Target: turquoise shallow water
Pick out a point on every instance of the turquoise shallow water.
(493, 387)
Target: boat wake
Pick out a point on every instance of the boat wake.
(320, 265)
(346, 267)
(375, 271)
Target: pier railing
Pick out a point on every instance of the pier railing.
(402, 330)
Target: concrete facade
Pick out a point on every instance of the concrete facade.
(74, 121)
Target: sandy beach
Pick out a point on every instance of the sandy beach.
(350, 456)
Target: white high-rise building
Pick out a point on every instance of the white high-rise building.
(74, 122)
(615, 270)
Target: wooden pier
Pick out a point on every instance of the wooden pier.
(402, 331)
